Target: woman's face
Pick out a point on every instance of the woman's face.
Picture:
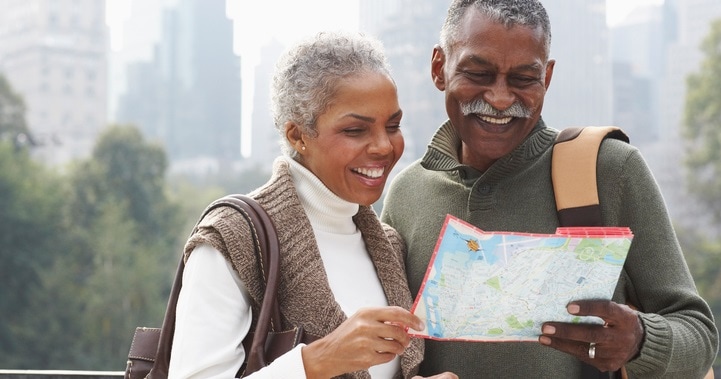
(359, 138)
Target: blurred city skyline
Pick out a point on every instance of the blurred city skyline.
(180, 71)
(134, 28)
(620, 62)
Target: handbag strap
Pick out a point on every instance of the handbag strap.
(265, 244)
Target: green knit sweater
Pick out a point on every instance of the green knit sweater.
(516, 194)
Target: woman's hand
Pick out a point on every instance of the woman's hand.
(370, 337)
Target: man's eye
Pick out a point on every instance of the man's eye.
(393, 128)
(521, 81)
(484, 77)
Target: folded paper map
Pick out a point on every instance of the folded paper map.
(502, 286)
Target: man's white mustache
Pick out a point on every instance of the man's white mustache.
(480, 106)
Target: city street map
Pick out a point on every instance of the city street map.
(502, 286)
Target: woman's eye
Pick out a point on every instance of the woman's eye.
(353, 131)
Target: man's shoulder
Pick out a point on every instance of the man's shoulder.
(615, 152)
(409, 171)
(412, 178)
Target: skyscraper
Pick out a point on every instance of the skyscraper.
(265, 136)
(373, 14)
(54, 55)
(580, 91)
(683, 56)
(409, 29)
(188, 97)
(637, 51)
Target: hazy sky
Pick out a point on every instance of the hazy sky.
(255, 23)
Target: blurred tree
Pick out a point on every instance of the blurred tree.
(703, 256)
(89, 256)
(702, 133)
(12, 115)
(32, 232)
(131, 171)
(131, 241)
(32, 236)
(702, 125)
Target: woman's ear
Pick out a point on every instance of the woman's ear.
(294, 136)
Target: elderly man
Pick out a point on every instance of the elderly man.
(490, 164)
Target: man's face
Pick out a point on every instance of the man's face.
(495, 80)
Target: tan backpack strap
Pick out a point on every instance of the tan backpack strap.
(573, 172)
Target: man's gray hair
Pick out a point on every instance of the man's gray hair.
(528, 13)
(307, 77)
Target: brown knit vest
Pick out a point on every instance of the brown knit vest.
(304, 294)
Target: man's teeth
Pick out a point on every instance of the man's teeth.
(371, 172)
(497, 121)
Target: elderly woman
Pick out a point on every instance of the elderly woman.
(342, 271)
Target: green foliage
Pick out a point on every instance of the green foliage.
(90, 254)
(702, 133)
(32, 236)
(702, 125)
(125, 169)
(222, 183)
(703, 256)
(86, 257)
(130, 243)
(12, 112)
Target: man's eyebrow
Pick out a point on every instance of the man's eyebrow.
(524, 67)
(478, 60)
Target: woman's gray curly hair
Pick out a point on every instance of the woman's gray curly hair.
(307, 76)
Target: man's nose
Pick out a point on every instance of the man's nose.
(499, 95)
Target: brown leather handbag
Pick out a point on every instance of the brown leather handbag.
(149, 355)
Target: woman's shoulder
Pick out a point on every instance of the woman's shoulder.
(396, 240)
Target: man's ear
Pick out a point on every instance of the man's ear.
(294, 136)
(549, 72)
(438, 62)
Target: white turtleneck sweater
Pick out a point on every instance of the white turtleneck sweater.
(208, 343)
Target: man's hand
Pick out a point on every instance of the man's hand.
(607, 347)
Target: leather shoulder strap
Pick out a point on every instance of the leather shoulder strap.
(573, 173)
(265, 241)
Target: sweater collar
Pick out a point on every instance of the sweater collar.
(442, 153)
(326, 211)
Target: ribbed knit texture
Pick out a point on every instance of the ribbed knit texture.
(516, 194)
(304, 294)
